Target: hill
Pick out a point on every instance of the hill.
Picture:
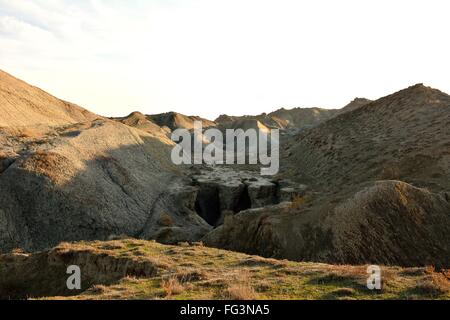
(174, 120)
(142, 122)
(266, 120)
(23, 105)
(86, 180)
(304, 117)
(298, 118)
(403, 136)
(378, 182)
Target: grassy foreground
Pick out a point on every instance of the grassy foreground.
(137, 269)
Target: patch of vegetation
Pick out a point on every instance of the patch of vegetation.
(157, 271)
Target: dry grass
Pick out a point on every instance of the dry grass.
(299, 201)
(171, 286)
(240, 291)
(191, 275)
(196, 272)
(240, 287)
(433, 285)
(343, 292)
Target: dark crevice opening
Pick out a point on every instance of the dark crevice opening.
(207, 205)
(244, 202)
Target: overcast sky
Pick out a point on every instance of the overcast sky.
(229, 56)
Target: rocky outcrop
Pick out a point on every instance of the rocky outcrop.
(253, 231)
(225, 191)
(174, 218)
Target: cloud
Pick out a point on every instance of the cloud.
(206, 57)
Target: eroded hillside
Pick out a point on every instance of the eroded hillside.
(25, 105)
(74, 178)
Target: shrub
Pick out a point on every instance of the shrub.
(171, 286)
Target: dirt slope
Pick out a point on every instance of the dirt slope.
(404, 136)
(23, 105)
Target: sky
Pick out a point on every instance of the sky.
(210, 57)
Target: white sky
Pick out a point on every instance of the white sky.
(209, 57)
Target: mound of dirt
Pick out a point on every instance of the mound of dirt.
(174, 120)
(23, 105)
(141, 122)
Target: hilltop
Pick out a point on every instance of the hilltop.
(23, 105)
(174, 120)
(299, 118)
(295, 118)
(403, 136)
(140, 121)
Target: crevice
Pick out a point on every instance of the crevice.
(207, 204)
(244, 202)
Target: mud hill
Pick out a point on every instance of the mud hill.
(85, 180)
(174, 120)
(22, 105)
(136, 269)
(299, 118)
(142, 122)
(404, 136)
(378, 182)
(244, 124)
